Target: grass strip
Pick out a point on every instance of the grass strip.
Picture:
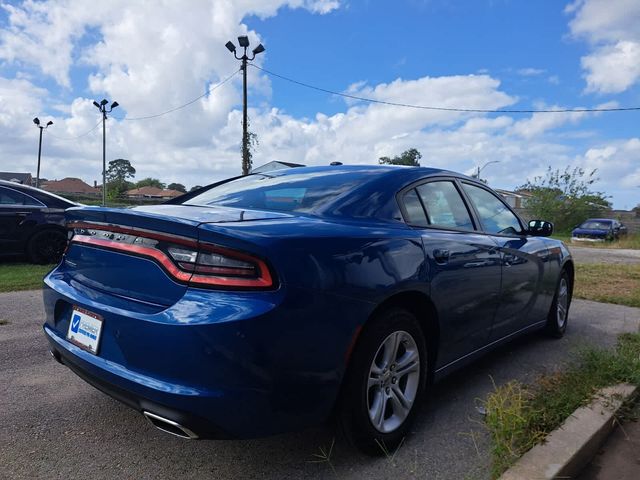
(22, 276)
(520, 416)
(606, 283)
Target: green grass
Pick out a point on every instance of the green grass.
(630, 241)
(608, 283)
(521, 416)
(22, 276)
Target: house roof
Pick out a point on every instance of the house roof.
(23, 178)
(69, 185)
(154, 192)
(274, 165)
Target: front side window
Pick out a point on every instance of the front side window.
(444, 205)
(494, 215)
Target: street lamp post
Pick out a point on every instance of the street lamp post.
(482, 168)
(102, 106)
(37, 122)
(244, 43)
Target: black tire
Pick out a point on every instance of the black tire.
(46, 246)
(559, 312)
(404, 339)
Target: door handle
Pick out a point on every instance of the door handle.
(441, 255)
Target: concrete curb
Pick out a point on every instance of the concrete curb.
(572, 446)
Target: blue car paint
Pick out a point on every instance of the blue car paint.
(261, 362)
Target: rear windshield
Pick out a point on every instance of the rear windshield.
(596, 225)
(285, 193)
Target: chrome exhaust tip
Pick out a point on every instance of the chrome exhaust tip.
(169, 426)
(56, 356)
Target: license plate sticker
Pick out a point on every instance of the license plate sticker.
(84, 329)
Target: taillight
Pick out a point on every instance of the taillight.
(184, 259)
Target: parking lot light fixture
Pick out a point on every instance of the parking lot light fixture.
(36, 121)
(102, 106)
(243, 40)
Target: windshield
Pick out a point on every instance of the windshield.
(596, 225)
(286, 193)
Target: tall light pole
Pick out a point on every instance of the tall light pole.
(37, 122)
(244, 43)
(102, 106)
(482, 168)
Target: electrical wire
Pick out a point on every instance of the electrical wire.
(77, 136)
(444, 109)
(209, 91)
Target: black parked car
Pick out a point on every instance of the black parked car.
(32, 223)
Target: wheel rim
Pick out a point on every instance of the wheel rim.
(50, 246)
(393, 382)
(563, 302)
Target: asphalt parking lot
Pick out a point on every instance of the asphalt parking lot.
(56, 426)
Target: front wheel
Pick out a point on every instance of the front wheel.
(559, 311)
(384, 383)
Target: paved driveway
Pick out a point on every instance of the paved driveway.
(53, 425)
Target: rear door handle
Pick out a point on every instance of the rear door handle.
(441, 255)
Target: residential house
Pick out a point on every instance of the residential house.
(153, 192)
(275, 165)
(71, 186)
(21, 178)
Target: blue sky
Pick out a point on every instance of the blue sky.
(57, 56)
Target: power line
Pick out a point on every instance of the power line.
(444, 109)
(209, 91)
(77, 136)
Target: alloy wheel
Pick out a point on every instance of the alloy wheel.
(394, 379)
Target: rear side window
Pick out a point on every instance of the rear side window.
(444, 205)
(494, 215)
(413, 207)
(11, 197)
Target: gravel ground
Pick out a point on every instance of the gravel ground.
(55, 426)
(604, 255)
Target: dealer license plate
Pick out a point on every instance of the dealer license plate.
(84, 329)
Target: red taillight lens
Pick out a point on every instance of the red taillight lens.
(184, 259)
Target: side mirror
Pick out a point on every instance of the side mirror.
(540, 228)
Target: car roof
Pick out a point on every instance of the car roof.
(598, 220)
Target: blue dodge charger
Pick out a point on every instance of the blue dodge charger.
(277, 301)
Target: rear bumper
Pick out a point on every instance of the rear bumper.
(223, 365)
(98, 375)
(591, 240)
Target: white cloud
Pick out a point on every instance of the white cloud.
(611, 28)
(152, 55)
(530, 72)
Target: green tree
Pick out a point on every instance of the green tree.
(150, 182)
(565, 197)
(177, 186)
(408, 157)
(118, 173)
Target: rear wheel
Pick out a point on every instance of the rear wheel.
(384, 383)
(46, 246)
(559, 311)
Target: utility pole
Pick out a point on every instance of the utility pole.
(37, 122)
(102, 106)
(244, 43)
(482, 168)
